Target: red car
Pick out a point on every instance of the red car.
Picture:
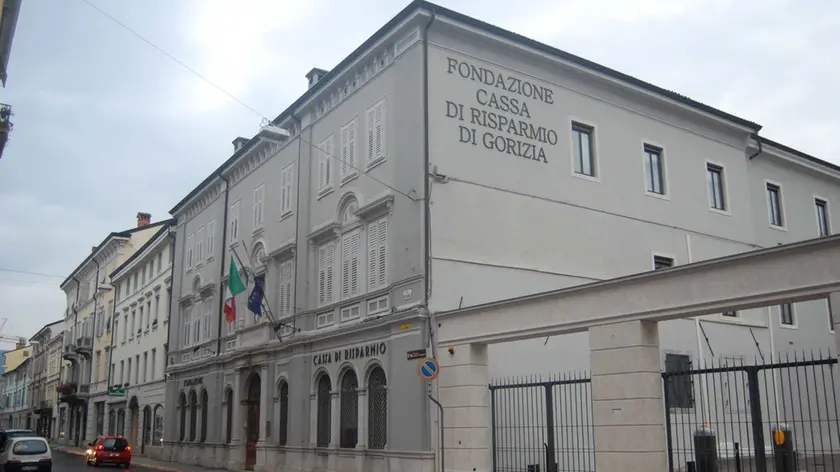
(109, 450)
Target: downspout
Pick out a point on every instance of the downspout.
(111, 344)
(92, 337)
(758, 140)
(221, 266)
(169, 311)
(297, 216)
(426, 185)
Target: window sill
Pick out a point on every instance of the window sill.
(349, 178)
(210, 259)
(786, 326)
(720, 212)
(777, 228)
(660, 196)
(586, 177)
(199, 265)
(375, 163)
(258, 231)
(325, 191)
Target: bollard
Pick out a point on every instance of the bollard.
(705, 450)
(783, 455)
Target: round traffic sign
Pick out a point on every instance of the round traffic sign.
(428, 369)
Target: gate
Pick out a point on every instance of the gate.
(542, 425)
(745, 406)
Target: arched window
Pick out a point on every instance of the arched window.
(120, 421)
(147, 425)
(112, 422)
(377, 409)
(283, 433)
(349, 424)
(324, 411)
(204, 415)
(157, 433)
(193, 414)
(183, 406)
(229, 422)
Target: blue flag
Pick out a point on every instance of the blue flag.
(256, 297)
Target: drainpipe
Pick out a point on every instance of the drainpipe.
(90, 360)
(426, 186)
(297, 213)
(169, 312)
(758, 140)
(222, 266)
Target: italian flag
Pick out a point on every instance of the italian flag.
(234, 288)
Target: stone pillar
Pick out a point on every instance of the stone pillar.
(363, 417)
(335, 416)
(236, 450)
(266, 402)
(627, 399)
(462, 390)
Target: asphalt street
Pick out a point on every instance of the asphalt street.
(64, 462)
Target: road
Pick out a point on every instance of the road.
(64, 462)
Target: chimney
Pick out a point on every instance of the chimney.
(143, 219)
(239, 142)
(315, 75)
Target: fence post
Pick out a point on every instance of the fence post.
(669, 439)
(550, 462)
(755, 418)
(493, 425)
(705, 449)
(783, 458)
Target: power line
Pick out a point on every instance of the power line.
(24, 281)
(39, 274)
(260, 115)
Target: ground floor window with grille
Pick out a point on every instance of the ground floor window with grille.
(182, 433)
(229, 415)
(377, 409)
(283, 424)
(324, 413)
(678, 388)
(349, 421)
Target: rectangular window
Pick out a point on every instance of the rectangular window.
(325, 319)
(350, 264)
(128, 371)
(326, 261)
(154, 363)
(196, 328)
(160, 262)
(199, 245)
(208, 309)
(133, 322)
(233, 232)
(377, 253)
(148, 313)
(714, 182)
(774, 205)
(348, 150)
(679, 391)
(287, 277)
(145, 365)
(731, 314)
(375, 118)
(823, 227)
(325, 153)
(137, 369)
(830, 315)
(211, 238)
(122, 372)
(786, 314)
(350, 313)
(125, 327)
(259, 206)
(584, 149)
(190, 245)
(287, 179)
(654, 170)
(187, 325)
(662, 262)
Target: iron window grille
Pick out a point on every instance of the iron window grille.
(349, 424)
(377, 409)
(282, 434)
(324, 412)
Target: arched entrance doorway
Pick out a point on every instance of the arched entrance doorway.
(147, 428)
(252, 430)
(134, 417)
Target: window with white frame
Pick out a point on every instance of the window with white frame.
(350, 264)
(287, 277)
(326, 268)
(325, 319)
(823, 227)
(787, 317)
(325, 153)
(774, 205)
(375, 120)
(352, 312)
(714, 182)
(196, 324)
(377, 259)
(233, 231)
(211, 238)
(199, 245)
(654, 170)
(208, 309)
(287, 179)
(189, 255)
(348, 150)
(187, 324)
(377, 305)
(259, 206)
(584, 149)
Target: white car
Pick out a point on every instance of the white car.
(26, 454)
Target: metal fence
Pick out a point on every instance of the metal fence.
(727, 415)
(542, 425)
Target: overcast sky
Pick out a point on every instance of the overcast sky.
(106, 126)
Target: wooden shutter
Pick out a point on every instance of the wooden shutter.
(382, 264)
(379, 127)
(373, 259)
(371, 133)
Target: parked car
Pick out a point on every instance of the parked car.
(26, 454)
(14, 433)
(109, 450)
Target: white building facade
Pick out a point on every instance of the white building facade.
(448, 163)
(138, 360)
(16, 412)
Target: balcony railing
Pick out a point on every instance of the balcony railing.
(66, 388)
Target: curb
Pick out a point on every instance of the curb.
(161, 468)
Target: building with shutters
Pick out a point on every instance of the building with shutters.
(448, 163)
(42, 400)
(139, 344)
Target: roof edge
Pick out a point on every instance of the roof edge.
(167, 224)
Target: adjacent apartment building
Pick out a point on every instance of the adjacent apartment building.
(447, 163)
(42, 399)
(139, 343)
(14, 396)
(87, 343)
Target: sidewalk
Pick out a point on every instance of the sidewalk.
(142, 461)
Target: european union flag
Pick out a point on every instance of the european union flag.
(256, 297)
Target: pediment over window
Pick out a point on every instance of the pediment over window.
(258, 257)
(325, 232)
(285, 251)
(376, 208)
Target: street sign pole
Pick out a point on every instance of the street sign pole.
(428, 370)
